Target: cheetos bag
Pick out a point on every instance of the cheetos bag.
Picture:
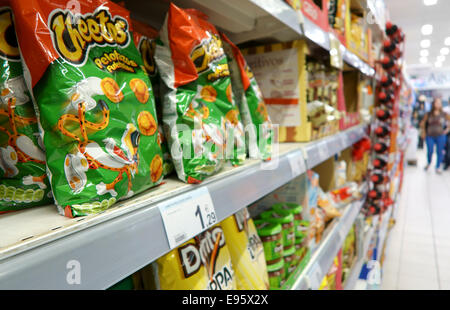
(94, 102)
(203, 123)
(23, 181)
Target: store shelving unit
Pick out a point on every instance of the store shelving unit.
(323, 257)
(38, 245)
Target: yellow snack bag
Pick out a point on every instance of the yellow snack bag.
(201, 263)
(247, 252)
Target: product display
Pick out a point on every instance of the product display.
(23, 179)
(199, 110)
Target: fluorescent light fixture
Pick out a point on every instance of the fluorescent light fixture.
(425, 43)
(438, 64)
(445, 51)
(424, 53)
(423, 60)
(447, 41)
(429, 2)
(441, 58)
(427, 29)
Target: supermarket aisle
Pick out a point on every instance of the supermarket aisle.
(418, 253)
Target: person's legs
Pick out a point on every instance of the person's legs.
(430, 149)
(447, 153)
(440, 144)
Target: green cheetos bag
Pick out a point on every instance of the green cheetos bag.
(94, 102)
(23, 181)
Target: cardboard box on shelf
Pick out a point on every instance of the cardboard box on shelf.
(281, 73)
(317, 12)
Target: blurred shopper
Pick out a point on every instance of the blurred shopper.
(418, 115)
(434, 129)
(447, 146)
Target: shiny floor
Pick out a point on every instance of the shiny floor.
(418, 249)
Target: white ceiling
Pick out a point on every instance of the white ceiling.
(411, 15)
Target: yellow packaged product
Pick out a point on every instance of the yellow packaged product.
(201, 263)
(247, 252)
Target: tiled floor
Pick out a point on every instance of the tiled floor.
(418, 249)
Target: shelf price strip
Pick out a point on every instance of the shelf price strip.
(297, 163)
(187, 215)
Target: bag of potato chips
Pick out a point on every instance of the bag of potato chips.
(94, 101)
(23, 181)
(145, 39)
(247, 252)
(250, 102)
(203, 122)
(201, 263)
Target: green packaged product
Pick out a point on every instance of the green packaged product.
(286, 220)
(258, 125)
(296, 211)
(23, 179)
(277, 274)
(94, 102)
(271, 238)
(300, 249)
(203, 123)
(291, 260)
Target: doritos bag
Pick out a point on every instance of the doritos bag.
(145, 39)
(203, 122)
(247, 252)
(23, 181)
(94, 101)
(200, 263)
(250, 102)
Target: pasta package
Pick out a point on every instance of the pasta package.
(145, 39)
(250, 102)
(93, 100)
(23, 180)
(203, 123)
(201, 263)
(247, 252)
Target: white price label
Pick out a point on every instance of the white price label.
(323, 151)
(297, 164)
(316, 276)
(186, 216)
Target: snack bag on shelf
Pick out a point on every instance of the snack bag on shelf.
(94, 102)
(199, 112)
(326, 203)
(145, 39)
(250, 102)
(23, 179)
(201, 263)
(246, 251)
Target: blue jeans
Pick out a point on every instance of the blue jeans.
(439, 141)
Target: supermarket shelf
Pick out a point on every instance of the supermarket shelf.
(38, 243)
(321, 260)
(384, 230)
(356, 270)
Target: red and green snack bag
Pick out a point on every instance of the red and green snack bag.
(202, 120)
(93, 99)
(23, 181)
(145, 39)
(250, 102)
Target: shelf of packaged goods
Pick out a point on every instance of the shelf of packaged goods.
(353, 277)
(36, 245)
(323, 256)
(383, 232)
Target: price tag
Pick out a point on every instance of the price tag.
(297, 164)
(187, 215)
(323, 151)
(316, 276)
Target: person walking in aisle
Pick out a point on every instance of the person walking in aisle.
(418, 115)
(434, 129)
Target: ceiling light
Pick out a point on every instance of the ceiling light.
(423, 60)
(447, 41)
(425, 43)
(445, 51)
(427, 29)
(441, 58)
(424, 53)
(438, 64)
(429, 2)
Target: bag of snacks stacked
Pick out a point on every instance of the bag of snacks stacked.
(251, 103)
(203, 122)
(247, 252)
(145, 39)
(23, 180)
(201, 263)
(94, 102)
